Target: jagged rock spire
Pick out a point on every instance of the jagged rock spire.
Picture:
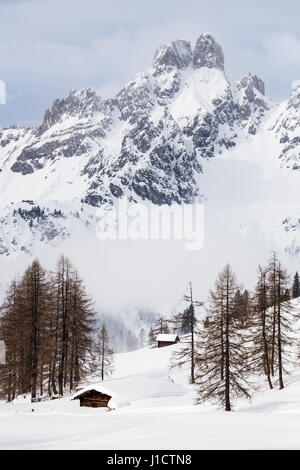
(176, 54)
(208, 53)
(252, 81)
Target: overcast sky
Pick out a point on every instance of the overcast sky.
(48, 47)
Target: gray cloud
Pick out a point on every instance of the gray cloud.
(47, 48)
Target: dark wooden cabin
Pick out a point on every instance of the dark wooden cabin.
(93, 399)
(166, 340)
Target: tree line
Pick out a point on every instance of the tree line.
(240, 335)
(48, 323)
(48, 326)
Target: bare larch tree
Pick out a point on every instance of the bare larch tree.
(186, 323)
(222, 362)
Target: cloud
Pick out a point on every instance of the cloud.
(103, 44)
(2, 92)
(283, 48)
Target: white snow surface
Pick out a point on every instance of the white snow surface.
(153, 407)
(198, 92)
(166, 337)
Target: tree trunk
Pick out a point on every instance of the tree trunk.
(227, 356)
(281, 386)
(102, 360)
(35, 327)
(222, 344)
(192, 339)
(265, 341)
(274, 320)
(266, 358)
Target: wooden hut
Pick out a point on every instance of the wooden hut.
(166, 340)
(93, 399)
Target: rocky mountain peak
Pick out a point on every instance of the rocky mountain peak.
(252, 81)
(82, 103)
(208, 53)
(177, 54)
(251, 102)
(294, 99)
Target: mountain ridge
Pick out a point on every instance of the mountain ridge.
(147, 143)
(156, 142)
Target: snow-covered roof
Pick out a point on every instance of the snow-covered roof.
(99, 387)
(166, 337)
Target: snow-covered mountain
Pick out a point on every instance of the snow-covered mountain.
(159, 140)
(286, 125)
(147, 142)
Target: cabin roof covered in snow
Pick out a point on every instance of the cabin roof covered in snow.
(82, 393)
(98, 387)
(166, 337)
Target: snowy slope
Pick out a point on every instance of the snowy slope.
(179, 133)
(151, 404)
